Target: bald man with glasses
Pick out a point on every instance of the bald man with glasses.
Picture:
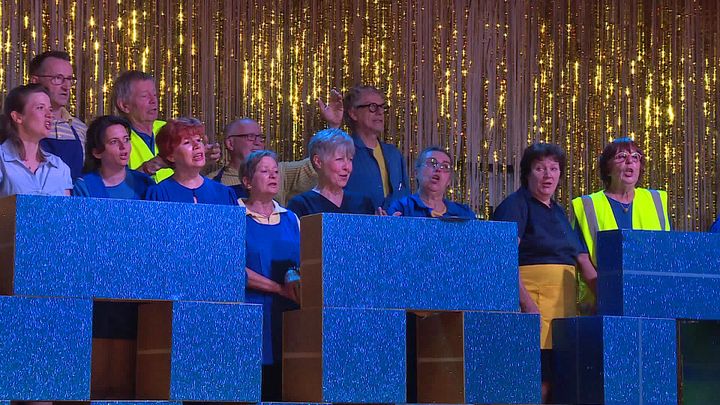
(244, 136)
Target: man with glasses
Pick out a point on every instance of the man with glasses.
(379, 171)
(53, 71)
(245, 136)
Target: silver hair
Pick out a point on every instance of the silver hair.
(326, 142)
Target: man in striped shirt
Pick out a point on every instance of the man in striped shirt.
(52, 69)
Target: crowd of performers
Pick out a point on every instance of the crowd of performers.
(133, 155)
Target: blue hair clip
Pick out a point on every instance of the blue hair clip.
(624, 139)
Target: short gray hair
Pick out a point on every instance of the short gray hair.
(254, 159)
(328, 141)
(422, 156)
(122, 87)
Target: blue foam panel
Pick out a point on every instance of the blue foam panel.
(289, 403)
(135, 403)
(344, 355)
(364, 261)
(45, 349)
(658, 274)
(121, 249)
(363, 355)
(615, 360)
(216, 352)
(502, 358)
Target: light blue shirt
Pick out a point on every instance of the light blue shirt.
(52, 176)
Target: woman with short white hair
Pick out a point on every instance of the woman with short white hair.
(331, 153)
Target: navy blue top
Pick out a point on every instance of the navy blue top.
(134, 187)
(271, 250)
(366, 180)
(239, 189)
(210, 192)
(715, 228)
(622, 218)
(149, 139)
(413, 206)
(312, 202)
(546, 236)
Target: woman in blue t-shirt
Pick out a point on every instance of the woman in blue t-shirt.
(433, 172)
(272, 249)
(182, 144)
(106, 174)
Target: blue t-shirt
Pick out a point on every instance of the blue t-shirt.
(271, 250)
(210, 192)
(623, 218)
(312, 202)
(546, 236)
(413, 206)
(134, 187)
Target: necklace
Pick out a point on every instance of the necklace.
(625, 206)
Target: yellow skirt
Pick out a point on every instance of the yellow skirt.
(553, 288)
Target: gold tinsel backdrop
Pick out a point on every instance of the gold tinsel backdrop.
(482, 78)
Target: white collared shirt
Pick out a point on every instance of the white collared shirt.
(52, 176)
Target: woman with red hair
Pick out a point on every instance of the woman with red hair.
(181, 143)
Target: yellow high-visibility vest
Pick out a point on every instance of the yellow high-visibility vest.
(594, 214)
(141, 153)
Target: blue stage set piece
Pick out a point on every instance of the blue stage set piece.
(135, 403)
(658, 274)
(344, 355)
(363, 261)
(477, 357)
(45, 349)
(216, 352)
(615, 360)
(121, 249)
(502, 358)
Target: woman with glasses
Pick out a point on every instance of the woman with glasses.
(548, 248)
(379, 170)
(181, 143)
(621, 204)
(433, 173)
(331, 153)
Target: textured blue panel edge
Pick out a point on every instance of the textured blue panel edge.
(609, 269)
(502, 357)
(216, 352)
(658, 274)
(615, 360)
(47, 354)
(366, 261)
(135, 403)
(578, 350)
(364, 358)
(170, 251)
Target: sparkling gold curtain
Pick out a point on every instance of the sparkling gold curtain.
(482, 78)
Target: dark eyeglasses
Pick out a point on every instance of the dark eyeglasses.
(59, 79)
(432, 163)
(373, 107)
(623, 156)
(250, 137)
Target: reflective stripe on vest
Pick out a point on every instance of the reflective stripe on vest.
(594, 214)
(141, 153)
